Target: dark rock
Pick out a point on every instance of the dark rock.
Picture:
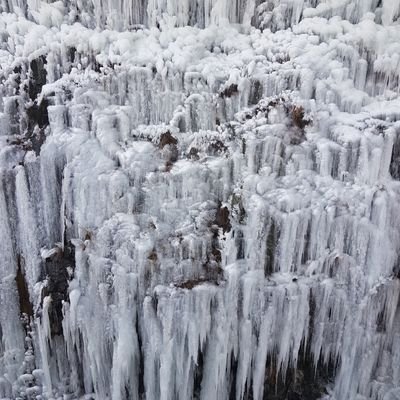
(222, 218)
(194, 153)
(71, 54)
(216, 147)
(169, 148)
(56, 272)
(395, 160)
(333, 266)
(305, 382)
(37, 77)
(381, 322)
(307, 239)
(293, 396)
(192, 283)
(167, 139)
(238, 208)
(298, 117)
(215, 254)
(396, 270)
(282, 58)
(240, 244)
(38, 114)
(153, 256)
(37, 117)
(198, 375)
(296, 139)
(230, 91)
(25, 305)
(97, 66)
(270, 248)
(256, 91)
(244, 147)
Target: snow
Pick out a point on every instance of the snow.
(161, 115)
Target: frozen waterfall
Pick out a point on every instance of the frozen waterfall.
(200, 199)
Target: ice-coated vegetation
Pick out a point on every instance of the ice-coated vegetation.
(200, 199)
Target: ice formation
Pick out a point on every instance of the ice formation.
(200, 199)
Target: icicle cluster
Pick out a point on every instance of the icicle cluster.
(130, 14)
(200, 201)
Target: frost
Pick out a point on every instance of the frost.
(199, 199)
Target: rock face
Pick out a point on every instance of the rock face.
(200, 199)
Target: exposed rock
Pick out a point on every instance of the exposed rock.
(167, 139)
(222, 218)
(395, 160)
(305, 382)
(194, 153)
(216, 147)
(169, 149)
(271, 248)
(298, 117)
(25, 304)
(192, 283)
(230, 91)
(37, 77)
(153, 256)
(56, 271)
(256, 91)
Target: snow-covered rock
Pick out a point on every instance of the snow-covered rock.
(199, 199)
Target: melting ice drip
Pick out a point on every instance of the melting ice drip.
(200, 213)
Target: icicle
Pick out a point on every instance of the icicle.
(223, 202)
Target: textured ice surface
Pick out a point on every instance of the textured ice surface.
(200, 199)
